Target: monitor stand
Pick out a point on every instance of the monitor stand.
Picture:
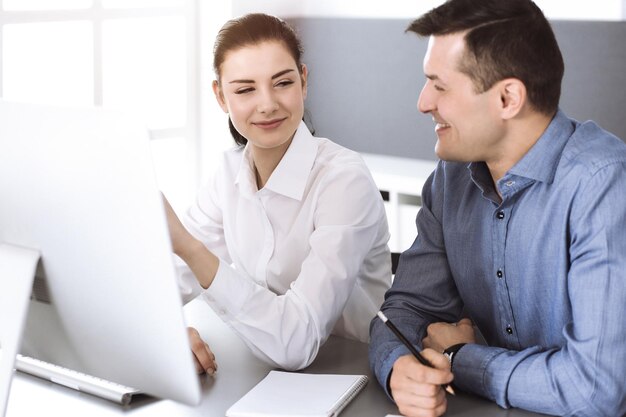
(17, 271)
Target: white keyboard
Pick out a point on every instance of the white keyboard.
(75, 380)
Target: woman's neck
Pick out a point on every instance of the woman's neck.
(266, 160)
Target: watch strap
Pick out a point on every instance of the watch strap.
(450, 352)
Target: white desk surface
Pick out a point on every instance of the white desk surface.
(238, 372)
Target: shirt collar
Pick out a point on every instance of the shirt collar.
(541, 160)
(292, 173)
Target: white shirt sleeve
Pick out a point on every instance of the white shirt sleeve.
(204, 221)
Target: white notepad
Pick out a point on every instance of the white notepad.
(297, 394)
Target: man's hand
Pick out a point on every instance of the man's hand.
(203, 357)
(416, 388)
(440, 336)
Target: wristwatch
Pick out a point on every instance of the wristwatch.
(451, 351)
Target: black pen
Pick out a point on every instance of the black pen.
(411, 348)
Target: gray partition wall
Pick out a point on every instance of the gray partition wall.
(365, 76)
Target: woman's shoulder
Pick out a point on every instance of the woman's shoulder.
(341, 175)
(338, 167)
(230, 159)
(334, 155)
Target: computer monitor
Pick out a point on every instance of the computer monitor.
(17, 269)
(78, 185)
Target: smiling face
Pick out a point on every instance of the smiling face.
(468, 124)
(263, 92)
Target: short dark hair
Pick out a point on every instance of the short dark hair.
(252, 29)
(504, 39)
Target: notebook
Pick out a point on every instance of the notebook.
(298, 394)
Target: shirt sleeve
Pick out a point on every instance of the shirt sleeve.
(423, 290)
(287, 330)
(585, 377)
(204, 221)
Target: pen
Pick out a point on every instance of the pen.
(411, 348)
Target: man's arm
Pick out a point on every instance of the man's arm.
(423, 290)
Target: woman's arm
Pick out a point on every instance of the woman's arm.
(200, 260)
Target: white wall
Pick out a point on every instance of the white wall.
(334, 8)
(583, 10)
(554, 9)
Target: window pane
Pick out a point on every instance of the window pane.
(127, 4)
(144, 69)
(173, 171)
(46, 4)
(50, 63)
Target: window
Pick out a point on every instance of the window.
(137, 56)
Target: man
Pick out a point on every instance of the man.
(522, 230)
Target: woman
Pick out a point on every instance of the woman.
(288, 242)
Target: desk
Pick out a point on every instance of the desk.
(238, 372)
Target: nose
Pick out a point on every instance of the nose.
(425, 101)
(267, 102)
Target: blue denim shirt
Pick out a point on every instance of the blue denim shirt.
(542, 273)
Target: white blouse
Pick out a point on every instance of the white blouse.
(304, 257)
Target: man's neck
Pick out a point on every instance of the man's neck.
(522, 135)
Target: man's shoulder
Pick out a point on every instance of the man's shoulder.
(592, 148)
(454, 172)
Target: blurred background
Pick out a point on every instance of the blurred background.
(153, 60)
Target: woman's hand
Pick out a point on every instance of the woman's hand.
(204, 359)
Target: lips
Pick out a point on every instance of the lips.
(269, 124)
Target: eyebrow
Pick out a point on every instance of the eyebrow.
(278, 74)
(432, 77)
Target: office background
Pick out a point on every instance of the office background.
(364, 96)
(152, 58)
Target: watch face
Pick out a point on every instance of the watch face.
(451, 352)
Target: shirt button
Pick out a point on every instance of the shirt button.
(509, 330)
(509, 183)
(499, 273)
(500, 215)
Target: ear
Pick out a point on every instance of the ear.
(219, 96)
(303, 77)
(512, 97)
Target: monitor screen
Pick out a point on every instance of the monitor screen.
(77, 184)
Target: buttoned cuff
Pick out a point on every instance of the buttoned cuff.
(228, 292)
(188, 285)
(471, 373)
